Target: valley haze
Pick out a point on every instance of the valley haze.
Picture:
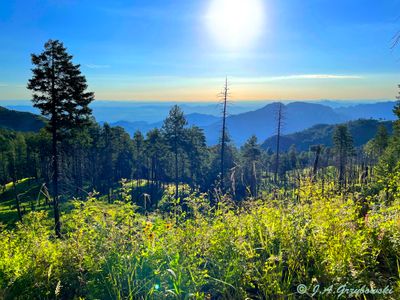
(244, 117)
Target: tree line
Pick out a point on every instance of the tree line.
(96, 157)
(75, 155)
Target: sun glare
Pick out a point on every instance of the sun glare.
(235, 23)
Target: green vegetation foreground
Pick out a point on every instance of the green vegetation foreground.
(324, 223)
(260, 250)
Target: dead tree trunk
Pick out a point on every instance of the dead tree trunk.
(317, 149)
(223, 138)
(279, 117)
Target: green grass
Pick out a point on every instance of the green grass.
(187, 249)
(29, 191)
(140, 191)
(31, 199)
(260, 250)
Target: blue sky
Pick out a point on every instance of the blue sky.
(165, 50)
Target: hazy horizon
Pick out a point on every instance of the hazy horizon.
(206, 102)
(113, 111)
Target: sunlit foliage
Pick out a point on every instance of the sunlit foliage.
(258, 250)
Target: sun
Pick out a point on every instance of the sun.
(235, 23)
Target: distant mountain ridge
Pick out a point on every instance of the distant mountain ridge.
(148, 111)
(20, 121)
(361, 130)
(297, 117)
(380, 111)
(197, 119)
(260, 121)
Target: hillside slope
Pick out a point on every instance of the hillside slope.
(195, 119)
(361, 130)
(262, 122)
(20, 121)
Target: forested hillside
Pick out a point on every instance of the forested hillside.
(20, 121)
(127, 210)
(194, 119)
(362, 131)
(260, 121)
(88, 211)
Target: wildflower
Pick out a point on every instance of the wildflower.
(148, 226)
(274, 259)
(381, 235)
(151, 235)
(168, 226)
(314, 280)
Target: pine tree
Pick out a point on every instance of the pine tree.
(230, 156)
(317, 149)
(279, 125)
(381, 139)
(174, 133)
(107, 160)
(196, 150)
(4, 148)
(17, 157)
(154, 150)
(138, 143)
(343, 146)
(251, 155)
(59, 91)
(391, 156)
(292, 154)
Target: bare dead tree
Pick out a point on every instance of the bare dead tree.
(224, 95)
(279, 119)
(317, 149)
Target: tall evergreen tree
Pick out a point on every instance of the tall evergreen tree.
(138, 145)
(317, 149)
(196, 151)
(391, 156)
(343, 146)
(124, 156)
(155, 150)
(251, 152)
(59, 91)
(5, 146)
(279, 125)
(17, 156)
(381, 139)
(174, 132)
(292, 155)
(230, 156)
(107, 160)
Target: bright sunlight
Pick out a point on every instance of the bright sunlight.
(235, 23)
